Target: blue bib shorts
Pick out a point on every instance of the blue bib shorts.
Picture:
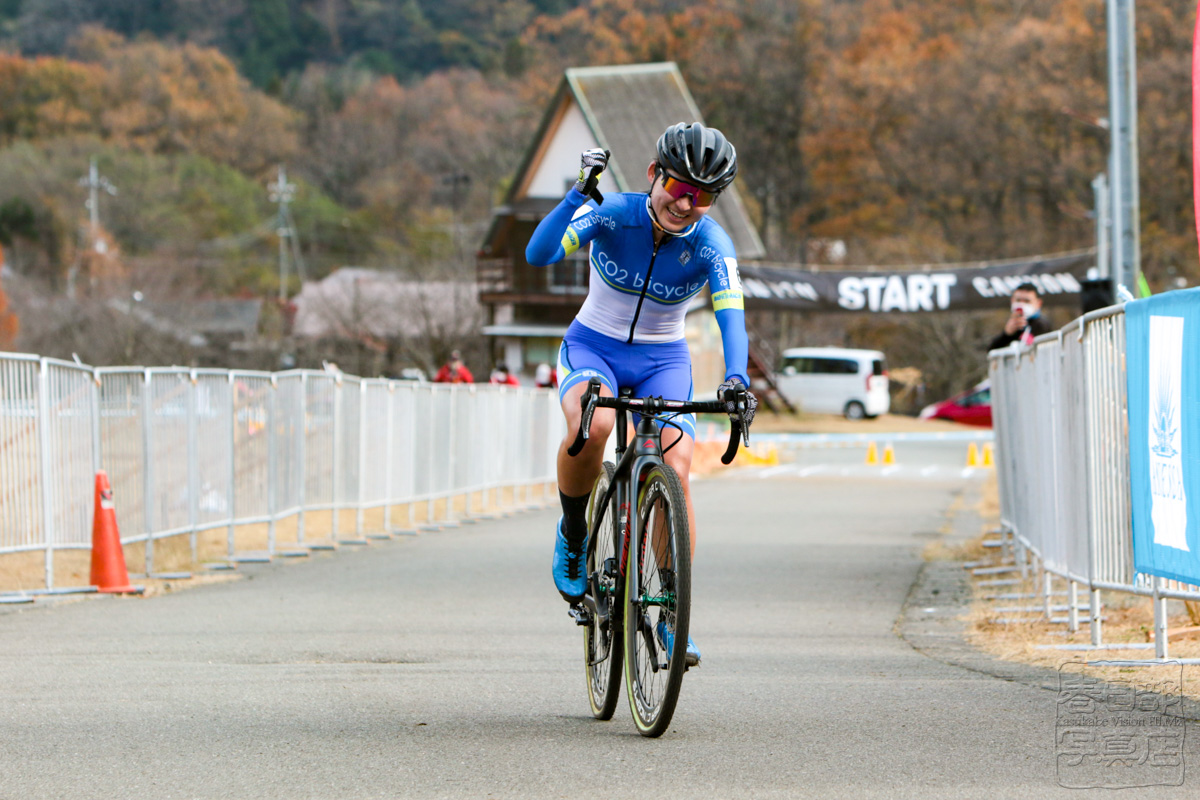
(661, 369)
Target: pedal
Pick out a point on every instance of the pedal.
(580, 614)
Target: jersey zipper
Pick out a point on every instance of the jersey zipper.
(637, 312)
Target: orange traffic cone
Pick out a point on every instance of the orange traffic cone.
(108, 559)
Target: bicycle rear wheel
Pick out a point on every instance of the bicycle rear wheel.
(602, 644)
(658, 591)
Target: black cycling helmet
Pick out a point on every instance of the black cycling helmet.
(699, 155)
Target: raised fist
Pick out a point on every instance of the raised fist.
(591, 166)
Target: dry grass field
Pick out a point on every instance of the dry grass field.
(1127, 619)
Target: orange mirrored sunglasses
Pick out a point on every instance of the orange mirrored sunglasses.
(677, 189)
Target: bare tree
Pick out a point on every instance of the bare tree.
(389, 320)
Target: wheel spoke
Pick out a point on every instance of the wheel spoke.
(602, 636)
(658, 594)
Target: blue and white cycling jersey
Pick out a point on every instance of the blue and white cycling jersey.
(621, 235)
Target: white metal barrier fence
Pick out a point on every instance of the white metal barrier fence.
(1062, 465)
(193, 450)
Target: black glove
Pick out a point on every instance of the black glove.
(730, 405)
(591, 166)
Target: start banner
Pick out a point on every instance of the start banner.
(1164, 433)
(946, 287)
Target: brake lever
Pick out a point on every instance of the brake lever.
(587, 404)
(740, 398)
(738, 426)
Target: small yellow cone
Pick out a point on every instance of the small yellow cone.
(988, 460)
(758, 456)
(889, 455)
(872, 453)
(973, 455)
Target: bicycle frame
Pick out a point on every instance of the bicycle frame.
(614, 607)
(632, 462)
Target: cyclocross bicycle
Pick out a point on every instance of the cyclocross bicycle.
(637, 517)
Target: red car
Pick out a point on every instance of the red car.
(972, 407)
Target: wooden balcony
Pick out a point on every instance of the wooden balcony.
(504, 280)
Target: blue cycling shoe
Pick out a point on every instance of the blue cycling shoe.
(568, 568)
(666, 638)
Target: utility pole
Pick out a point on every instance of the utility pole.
(95, 182)
(460, 184)
(1103, 225)
(1126, 257)
(282, 192)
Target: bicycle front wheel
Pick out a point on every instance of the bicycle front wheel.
(602, 644)
(658, 592)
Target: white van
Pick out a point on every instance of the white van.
(835, 380)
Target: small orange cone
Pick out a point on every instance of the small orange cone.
(889, 454)
(872, 453)
(973, 455)
(108, 559)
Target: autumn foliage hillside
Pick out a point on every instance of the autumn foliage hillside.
(912, 131)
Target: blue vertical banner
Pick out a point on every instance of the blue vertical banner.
(1164, 432)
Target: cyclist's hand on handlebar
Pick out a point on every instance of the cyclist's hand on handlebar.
(730, 385)
(591, 166)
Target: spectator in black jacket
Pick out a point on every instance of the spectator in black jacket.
(1026, 320)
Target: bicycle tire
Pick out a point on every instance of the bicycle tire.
(658, 587)
(602, 642)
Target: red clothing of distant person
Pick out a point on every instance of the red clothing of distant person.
(455, 371)
(503, 377)
(459, 374)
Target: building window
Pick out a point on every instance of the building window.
(569, 276)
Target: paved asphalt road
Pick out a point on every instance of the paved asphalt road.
(445, 666)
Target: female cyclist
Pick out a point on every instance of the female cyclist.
(650, 254)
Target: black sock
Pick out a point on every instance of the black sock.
(574, 520)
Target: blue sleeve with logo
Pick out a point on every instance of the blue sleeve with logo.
(555, 237)
(726, 288)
